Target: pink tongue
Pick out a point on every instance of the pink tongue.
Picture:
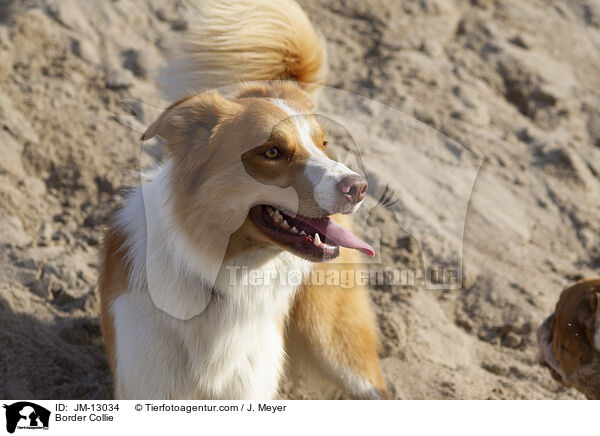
(338, 234)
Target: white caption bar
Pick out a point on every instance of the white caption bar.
(299, 417)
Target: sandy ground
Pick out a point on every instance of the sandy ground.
(515, 83)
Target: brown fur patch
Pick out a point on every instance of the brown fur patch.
(290, 92)
(112, 283)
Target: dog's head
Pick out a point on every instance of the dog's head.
(569, 339)
(259, 163)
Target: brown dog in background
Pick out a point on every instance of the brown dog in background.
(569, 339)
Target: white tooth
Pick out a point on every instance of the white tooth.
(294, 230)
(285, 225)
(278, 218)
(317, 240)
(303, 233)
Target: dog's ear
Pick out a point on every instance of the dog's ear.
(164, 124)
(190, 121)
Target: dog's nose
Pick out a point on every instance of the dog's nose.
(353, 188)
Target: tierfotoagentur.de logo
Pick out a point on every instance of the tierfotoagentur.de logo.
(24, 415)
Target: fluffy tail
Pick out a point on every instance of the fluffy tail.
(231, 41)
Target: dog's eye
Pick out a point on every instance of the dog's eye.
(324, 144)
(272, 153)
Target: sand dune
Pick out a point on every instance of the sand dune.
(482, 116)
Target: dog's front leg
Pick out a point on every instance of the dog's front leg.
(336, 327)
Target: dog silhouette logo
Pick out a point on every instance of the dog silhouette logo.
(26, 415)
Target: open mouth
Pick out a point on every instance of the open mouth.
(316, 239)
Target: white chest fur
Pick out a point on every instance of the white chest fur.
(227, 345)
(227, 352)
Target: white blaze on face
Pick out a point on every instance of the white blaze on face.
(324, 173)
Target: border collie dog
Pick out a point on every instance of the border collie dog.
(196, 289)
